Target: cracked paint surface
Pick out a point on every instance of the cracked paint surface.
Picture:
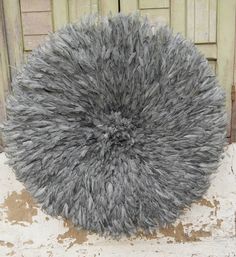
(206, 229)
(20, 208)
(77, 236)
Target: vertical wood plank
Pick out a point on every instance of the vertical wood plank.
(160, 16)
(212, 65)
(212, 20)
(201, 21)
(26, 55)
(4, 67)
(128, 6)
(226, 44)
(178, 13)
(78, 8)
(147, 4)
(60, 13)
(94, 6)
(106, 7)
(234, 79)
(190, 21)
(14, 33)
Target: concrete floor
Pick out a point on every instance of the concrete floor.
(207, 229)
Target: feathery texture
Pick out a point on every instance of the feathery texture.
(115, 125)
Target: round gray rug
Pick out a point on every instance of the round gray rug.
(114, 125)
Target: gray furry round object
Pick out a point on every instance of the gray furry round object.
(115, 125)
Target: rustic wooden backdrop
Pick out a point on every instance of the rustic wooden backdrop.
(210, 24)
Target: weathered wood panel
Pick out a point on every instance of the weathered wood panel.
(14, 34)
(156, 11)
(149, 4)
(106, 7)
(225, 49)
(190, 21)
(201, 20)
(212, 20)
(35, 5)
(4, 67)
(78, 8)
(94, 6)
(161, 16)
(35, 23)
(60, 11)
(178, 19)
(32, 41)
(209, 50)
(128, 6)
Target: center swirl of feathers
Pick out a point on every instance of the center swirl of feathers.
(117, 133)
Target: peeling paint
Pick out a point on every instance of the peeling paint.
(205, 202)
(207, 228)
(197, 234)
(20, 208)
(7, 244)
(178, 233)
(218, 223)
(29, 242)
(146, 236)
(217, 205)
(78, 236)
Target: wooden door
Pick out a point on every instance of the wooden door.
(210, 24)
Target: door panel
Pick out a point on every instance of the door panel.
(65, 11)
(108, 6)
(156, 11)
(225, 48)
(201, 20)
(79, 8)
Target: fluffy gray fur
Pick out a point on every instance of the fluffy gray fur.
(115, 125)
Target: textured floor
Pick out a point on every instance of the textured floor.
(207, 229)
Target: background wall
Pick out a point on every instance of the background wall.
(210, 24)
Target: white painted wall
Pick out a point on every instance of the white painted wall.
(207, 229)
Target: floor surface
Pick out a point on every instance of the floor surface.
(207, 229)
